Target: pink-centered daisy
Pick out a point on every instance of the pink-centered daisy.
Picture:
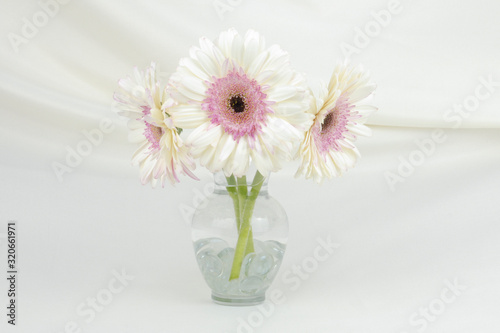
(244, 102)
(328, 147)
(162, 154)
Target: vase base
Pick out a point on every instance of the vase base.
(238, 301)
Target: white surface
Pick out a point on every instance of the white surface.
(397, 247)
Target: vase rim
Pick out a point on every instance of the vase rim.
(221, 179)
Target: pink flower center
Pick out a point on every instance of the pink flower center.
(237, 103)
(328, 134)
(152, 133)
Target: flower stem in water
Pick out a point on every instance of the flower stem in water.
(245, 245)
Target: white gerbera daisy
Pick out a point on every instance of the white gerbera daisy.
(162, 154)
(244, 101)
(328, 148)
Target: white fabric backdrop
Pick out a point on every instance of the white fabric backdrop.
(405, 235)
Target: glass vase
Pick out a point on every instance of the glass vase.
(239, 234)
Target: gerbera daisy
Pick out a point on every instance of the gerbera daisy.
(328, 147)
(243, 101)
(162, 154)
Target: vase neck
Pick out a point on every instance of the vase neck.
(223, 183)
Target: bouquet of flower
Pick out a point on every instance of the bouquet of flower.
(244, 105)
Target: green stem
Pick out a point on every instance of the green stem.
(245, 237)
(242, 191)
(231, 189)
(250, 247)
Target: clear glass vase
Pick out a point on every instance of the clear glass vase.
(239, 234)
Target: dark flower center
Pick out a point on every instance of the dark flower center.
(330, 120)
(237, 104)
